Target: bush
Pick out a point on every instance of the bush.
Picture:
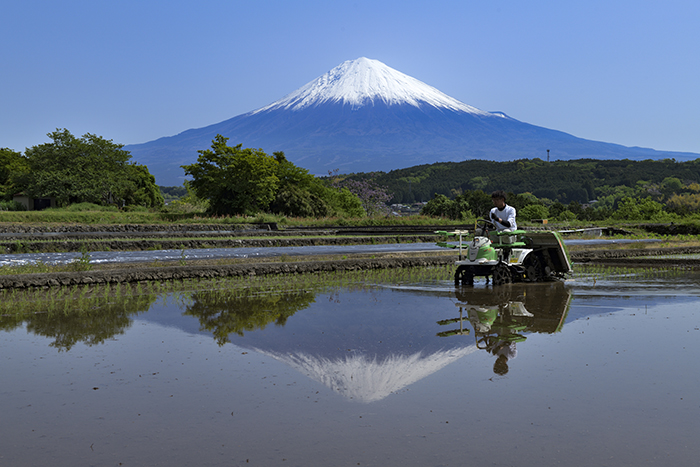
(344, 202)
(684, 203)
(439, 206)
(566, 216)
(533, 211)
(11, 206)
(633, 209)
(299, 203)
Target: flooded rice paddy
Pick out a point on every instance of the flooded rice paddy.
(388, 368)
(145, 256)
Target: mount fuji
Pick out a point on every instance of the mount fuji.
(364, 116)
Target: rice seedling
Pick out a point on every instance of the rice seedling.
(68, 301)
(618, 273)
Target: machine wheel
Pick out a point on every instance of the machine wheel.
(534, 271)
(502, 275)
(464, 276)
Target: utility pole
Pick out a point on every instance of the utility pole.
(547, 155)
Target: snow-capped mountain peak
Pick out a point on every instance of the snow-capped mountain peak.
(364, 82)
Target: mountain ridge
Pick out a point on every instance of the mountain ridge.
(364, 116)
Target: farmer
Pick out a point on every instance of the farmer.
(502, 215)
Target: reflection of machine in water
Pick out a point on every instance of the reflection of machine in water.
(501, 318)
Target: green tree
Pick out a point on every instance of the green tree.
(89, 169)
(479, 203)
(12, 167)
(247, 181)
(638, 209)
(439, 206)
(671, 185)
(233, 179)
(684, 203)
(566, 215)
(533, 211)
(344, 202)
(293, 201)
(300, 194)
(140, 187)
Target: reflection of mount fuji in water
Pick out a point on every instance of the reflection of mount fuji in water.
(365, 345)
(366, 378)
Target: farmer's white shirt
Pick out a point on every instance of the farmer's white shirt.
(507, 214)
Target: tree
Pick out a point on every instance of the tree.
(88, 169)
(638, 209)
(533, 211)
(233, 179)
(140, 187)
(374, 197)
(296, 202)
(300, 194)
(684, 203)
(439, 206)
(247, 181)
(12, 167)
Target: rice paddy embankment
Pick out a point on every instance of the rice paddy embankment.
(140, 237)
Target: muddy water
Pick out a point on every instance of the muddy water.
(602, 370)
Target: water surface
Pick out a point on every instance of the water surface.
(599, 371)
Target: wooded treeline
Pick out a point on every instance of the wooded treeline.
(579, 180)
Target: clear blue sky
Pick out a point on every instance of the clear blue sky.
(625, 72)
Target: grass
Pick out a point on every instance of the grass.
(599, 272)
(111, 216)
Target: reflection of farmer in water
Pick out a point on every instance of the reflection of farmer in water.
(497, 337)
(505, 351)
(501, 320)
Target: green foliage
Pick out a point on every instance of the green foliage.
(566, 216)
(684, 204)
(300, 194)
(13, 166)
(140, 187)
(293, 201)
(237, 181)
(439, 206)
(579, 180)
(291, 175)
(672, 184)
(82, 263)
(442, 206)
(636, 209)
(373, 196)
(344, 202)
(233, 179)
(533, 211)
(88, 169)
(173, 192)
(11, 206)
(188, 203)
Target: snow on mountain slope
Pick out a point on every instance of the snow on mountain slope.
(363, 82)
(364, 116)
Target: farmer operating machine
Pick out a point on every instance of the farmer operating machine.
(507, 256)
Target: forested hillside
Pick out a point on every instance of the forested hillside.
(580, 180)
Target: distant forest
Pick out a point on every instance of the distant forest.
(581, 180)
